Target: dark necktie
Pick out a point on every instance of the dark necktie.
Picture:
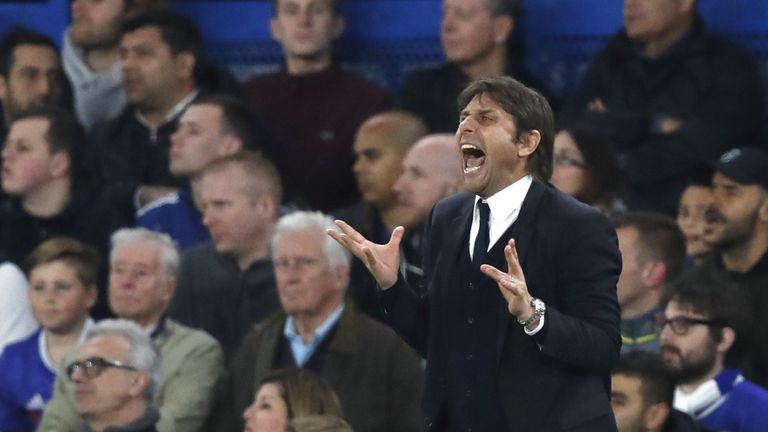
(482, 239)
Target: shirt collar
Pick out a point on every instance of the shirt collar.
(173, 112)
(42, 345)
(290, 328)
(505, 207)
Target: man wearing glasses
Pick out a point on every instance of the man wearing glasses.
(702, 329)
(115, 378)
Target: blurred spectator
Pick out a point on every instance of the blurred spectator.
(30, 74)
(141, 283)
(17, 321)
(703, 327)
(739, 233)
(287, 394)
(228, 284)
(211, 127)
(377, 377)
(652, 254)
(694, 213)
(116, 375)
(318, 423)
(159, 53)
(585, 168)
(670, 95)
(311, 108)
(380, 146)
(63, 274)
(642, 391)
(476, 42)
(51, 195)
(91, 56)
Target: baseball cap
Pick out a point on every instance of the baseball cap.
(745, 165)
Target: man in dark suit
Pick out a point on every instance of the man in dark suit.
(514, 350)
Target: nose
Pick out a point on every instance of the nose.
(467, 125)
(360, 166)
(176, 139)
(248, 412)
(448, 23)
(44, 86)
(208, 218)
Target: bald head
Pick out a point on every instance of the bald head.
(380, 145)
(431, 171)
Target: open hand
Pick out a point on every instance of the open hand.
(512, 283)
(383, 261)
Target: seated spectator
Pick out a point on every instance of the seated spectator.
(639, 91)
(312, 107)
(91, 56)
(584, 166)
(694, 214)
(63, 274)
(287, 394)
(702, 338)
(30, 74)
(17, 320)
(642, 392)
(652, 254)
(212, 126)
(228, 284)
(51, 194)
(116, 376)
(141, 283)
(476, 38)
(377, 377)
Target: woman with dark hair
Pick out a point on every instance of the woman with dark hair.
(287, 394)
(585, 167)
(695, 212)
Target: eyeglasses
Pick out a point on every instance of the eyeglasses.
(681, 325)
(94, 366)
(300, 263)
(567, 161)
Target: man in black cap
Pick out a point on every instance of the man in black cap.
(740, 236)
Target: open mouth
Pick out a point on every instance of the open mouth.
(474, 158)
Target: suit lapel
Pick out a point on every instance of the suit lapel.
(456, 241)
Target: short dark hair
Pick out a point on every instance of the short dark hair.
(65, 133)
(81, 257)
(530, 111)
(659, 238)
(601, 171)
(504, 7)
(236, 118)
(657, 383)
(177, 31)
(20, 36)
(335, 7)
(718, 299)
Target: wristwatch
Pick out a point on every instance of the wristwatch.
(539, 308)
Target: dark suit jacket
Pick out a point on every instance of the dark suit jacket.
(559, 379)
(378, 379)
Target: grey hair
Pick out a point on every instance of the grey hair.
(317, 221)
(168, 252)
(143, 354)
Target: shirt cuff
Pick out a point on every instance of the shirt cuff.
(537, 329)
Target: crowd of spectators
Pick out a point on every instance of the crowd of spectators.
(164, 264)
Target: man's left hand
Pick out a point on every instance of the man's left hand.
(512, 283)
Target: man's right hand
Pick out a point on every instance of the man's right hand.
(383, 261)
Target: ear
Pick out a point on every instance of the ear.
(762, 211)
(654, 273)
(3, 87)
(91, 295)
(729, 337)
(502, 27)
(230, 144)
(275, 29)
(528, 142)
(342, 275)
(686, 6)
(185, 64)
(655, 415)
(139, 383)
(60, 164)
(339, 24)
(170, 285)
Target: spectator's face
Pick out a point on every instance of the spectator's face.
(306, 284)
(99, 398)
(739, 210)
(60, 301)
(139, 289)
(268, 412)
(568, 174)
(34, 79)
(96, 23)
(468, 32)
(491, 151)
(198, 140)
(235, 216)
(431, 171)
(631, 287)
(28, 164)
(627, 402)
(648, 20)
(692, 355)
(151, 72)
(378, 163)
(305, 28)
(696, 203)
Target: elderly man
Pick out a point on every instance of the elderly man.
(377, 377)
(116, 375)
(142, 281)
